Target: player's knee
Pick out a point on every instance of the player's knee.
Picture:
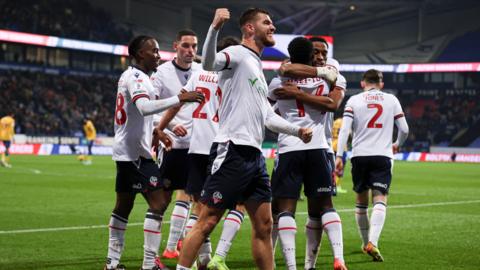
(207, 226)
(263, 227)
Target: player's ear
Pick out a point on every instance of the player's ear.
(362, 84)
(381, 84)
(175, 45)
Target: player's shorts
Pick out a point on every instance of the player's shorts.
(7, 144)
(197, 173)
(138, 176)
(237, 173)
(372, 172)
(173, 168)
(309, 167)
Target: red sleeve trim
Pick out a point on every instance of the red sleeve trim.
(135, 98)
(348, 111)
(227, 62)
(400, 115)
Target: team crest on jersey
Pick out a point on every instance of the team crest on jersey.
(217, 197)
(136, 74)
(153, 181)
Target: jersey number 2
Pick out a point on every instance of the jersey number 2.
(198, 111)
(371, 123)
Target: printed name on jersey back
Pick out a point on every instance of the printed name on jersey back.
(306, 81)
(375, 97)
(210, 77)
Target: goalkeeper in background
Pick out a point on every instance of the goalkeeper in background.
(90, 134)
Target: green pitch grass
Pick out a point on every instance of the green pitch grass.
(433, 219)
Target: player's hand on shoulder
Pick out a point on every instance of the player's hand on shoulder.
(192, 96)
(288, 90)
(305, 134)
(221, 16)
(284, 67)
(180, 130)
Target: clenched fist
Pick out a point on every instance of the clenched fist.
(221, 16)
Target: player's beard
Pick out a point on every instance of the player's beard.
(267, 41)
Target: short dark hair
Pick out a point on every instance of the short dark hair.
(185, 32)
(300, 50)
(318, 39)
(249, 14)
(227, 42)
(136, 44)
(372, 76)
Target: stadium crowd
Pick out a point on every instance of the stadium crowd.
(58, 19)
(46, 104)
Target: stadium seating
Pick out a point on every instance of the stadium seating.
(58, 19)
(46, 104)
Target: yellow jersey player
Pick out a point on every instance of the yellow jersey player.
(90, 134)
(7, 130)
(337, 124)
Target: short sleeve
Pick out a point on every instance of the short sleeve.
(341, 82)
(397, 111)
(348, 112)
(274, 84)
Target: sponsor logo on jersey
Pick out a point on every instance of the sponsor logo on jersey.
(324, 189)
(377, 184)
(153, 181)
(217, 197)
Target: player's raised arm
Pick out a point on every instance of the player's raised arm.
(148, 107)
(212, 60)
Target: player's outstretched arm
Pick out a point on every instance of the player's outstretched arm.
(276, 123)
(300, 71)
(291, 91)
(211, 60)
(148, 107)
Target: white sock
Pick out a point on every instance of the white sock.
(190, 223)
(116, 239)
(177, 223)
(377, 220)
(232, 224)
(274, 235)
(287, 228)
(179, 267)
(361, 217)
(204, 252)
(152, 229)
(313, 231)
(332, 225)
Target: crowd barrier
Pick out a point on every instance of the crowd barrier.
(65, 149)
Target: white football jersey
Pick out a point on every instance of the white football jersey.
(303, 115)
(244, 107)
(342, 83)
(133, 131)
(205, 115)
(374, 113)
(168, 81)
